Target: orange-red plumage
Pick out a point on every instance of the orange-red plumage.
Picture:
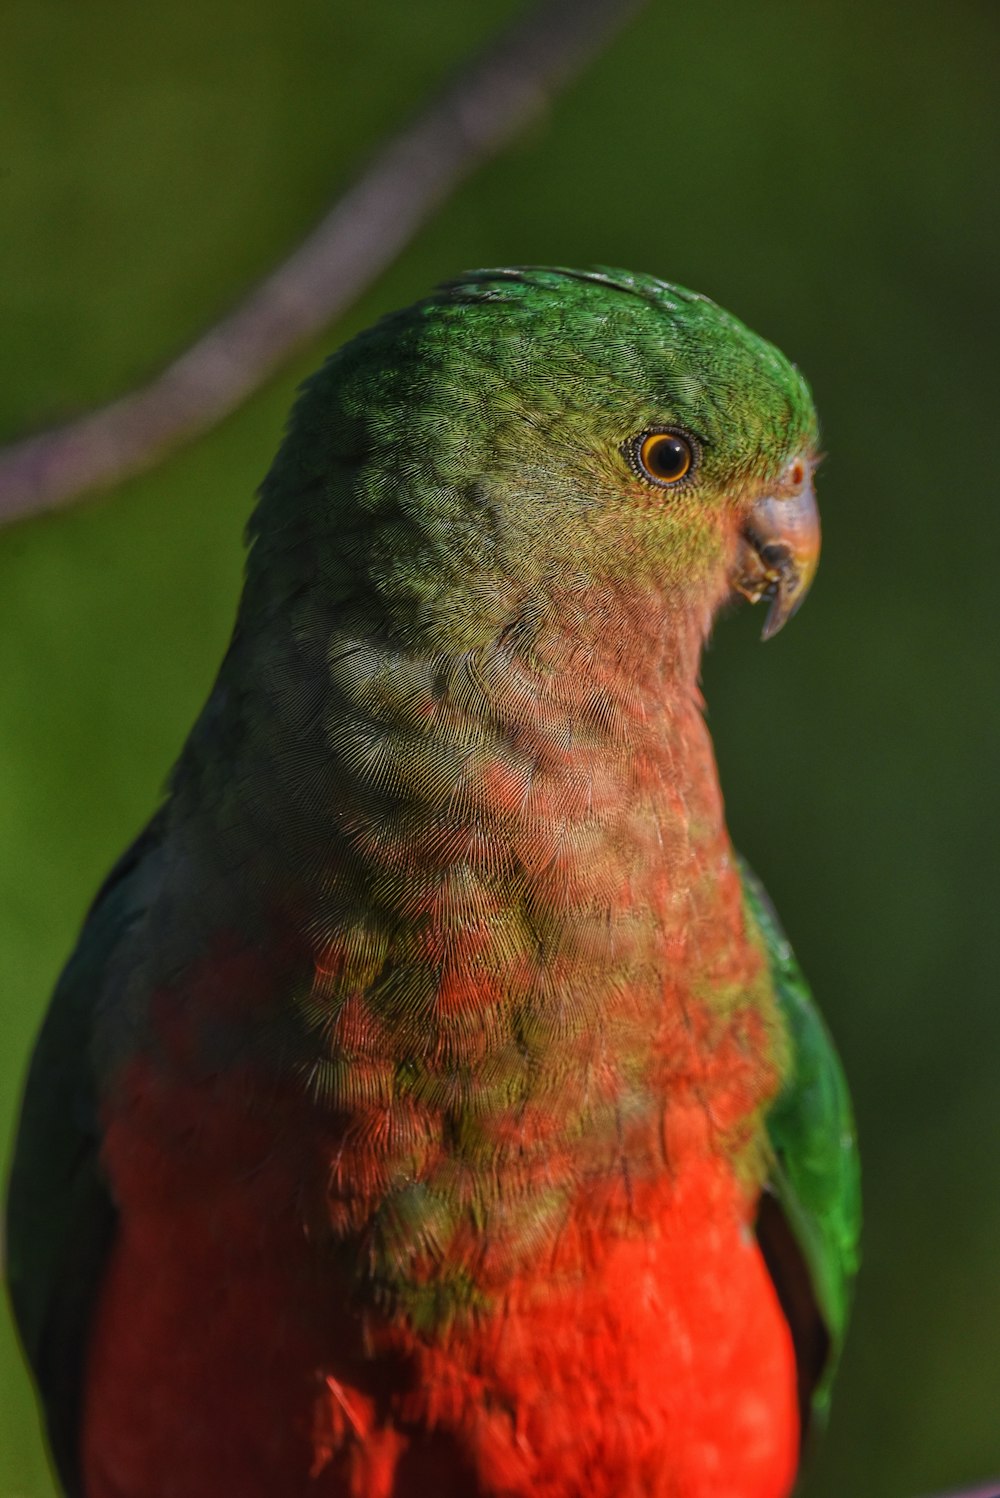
(653, 1362)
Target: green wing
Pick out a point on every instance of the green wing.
(60, 1216)
(810, 1216)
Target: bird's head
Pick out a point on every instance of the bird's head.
(528, 433)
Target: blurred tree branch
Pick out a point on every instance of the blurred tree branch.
(985, 1491)
(494, 96)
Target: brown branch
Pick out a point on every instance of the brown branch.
(503, 88)
(989, 1490)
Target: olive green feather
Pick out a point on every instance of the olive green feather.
(815, 1170)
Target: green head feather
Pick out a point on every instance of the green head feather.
(464, 457)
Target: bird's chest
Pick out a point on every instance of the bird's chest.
(453, 1194)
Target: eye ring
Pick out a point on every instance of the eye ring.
(665, 456)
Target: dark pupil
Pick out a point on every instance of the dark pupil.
(667, 458)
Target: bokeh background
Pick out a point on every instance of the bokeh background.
(825, 169)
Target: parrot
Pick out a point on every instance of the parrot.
(433, 1104)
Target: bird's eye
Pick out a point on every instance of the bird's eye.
(664, 457)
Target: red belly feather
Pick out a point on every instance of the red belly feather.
(224, 1360)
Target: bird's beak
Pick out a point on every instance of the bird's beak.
(778, 548)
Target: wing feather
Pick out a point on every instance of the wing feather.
(810, 1215)
(61, 1218)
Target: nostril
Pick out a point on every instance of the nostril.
(775, 554)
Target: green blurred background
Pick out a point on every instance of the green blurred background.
(827, 170)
